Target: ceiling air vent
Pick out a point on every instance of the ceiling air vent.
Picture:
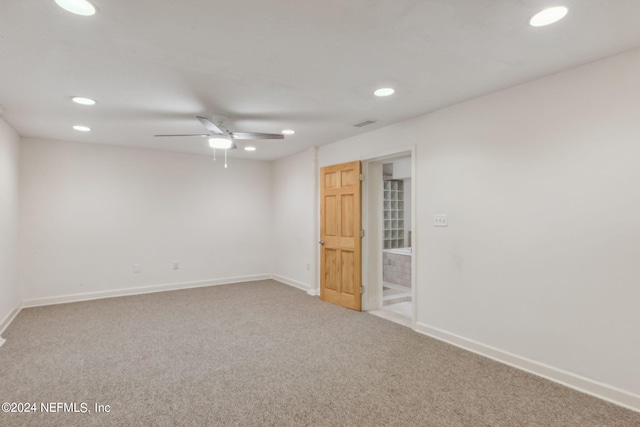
(364, 123)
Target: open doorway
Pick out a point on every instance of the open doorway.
(388, 202)
(396, 239)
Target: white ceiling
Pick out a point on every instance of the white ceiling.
(153, 65)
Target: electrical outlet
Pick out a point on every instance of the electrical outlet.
(440, 220)
(136, 268)
(176, 265)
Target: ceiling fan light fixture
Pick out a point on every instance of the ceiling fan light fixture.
(288, 132)
(548, 16)
(220, 143)
(78, 7)
(83, 101)
(249, 148)
(384, 91)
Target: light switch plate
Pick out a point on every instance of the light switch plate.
(440, 220)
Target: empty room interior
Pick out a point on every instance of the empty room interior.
(341, 213)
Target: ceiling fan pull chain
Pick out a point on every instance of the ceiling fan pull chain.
(214, 154)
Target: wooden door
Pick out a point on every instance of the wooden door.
(340, 225)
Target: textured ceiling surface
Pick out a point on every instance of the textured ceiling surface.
(265, 66)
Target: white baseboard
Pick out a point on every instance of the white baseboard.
(594, 388)
(8, 319)
(291, 282)
(140, 290)
(313, 292)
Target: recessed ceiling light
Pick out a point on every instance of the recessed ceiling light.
(250, 148)
(221, 143)
(288, 132)
(82, 128)
(548, 16)
(384, 91)
(83, 101)
(79, 7)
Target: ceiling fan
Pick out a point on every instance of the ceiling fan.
(221, 138)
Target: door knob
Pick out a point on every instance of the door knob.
(321, 242)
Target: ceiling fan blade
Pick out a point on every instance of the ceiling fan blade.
(204, 135)
(210, 125)
(254, 135)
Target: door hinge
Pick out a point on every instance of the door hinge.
(361, 233)
(361, 290)
(361, 177)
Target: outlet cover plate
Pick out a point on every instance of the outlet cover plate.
(440, 220)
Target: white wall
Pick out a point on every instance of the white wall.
(9, 292)
(294, 220)
(540, 183)
(89, 212)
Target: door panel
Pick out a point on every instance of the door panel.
(347, 266)
(347, 220)
(330, 180)
(340, 224)
(331, 259)
(330, 213)
(349, 178)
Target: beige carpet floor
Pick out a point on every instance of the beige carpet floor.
(264, 354)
